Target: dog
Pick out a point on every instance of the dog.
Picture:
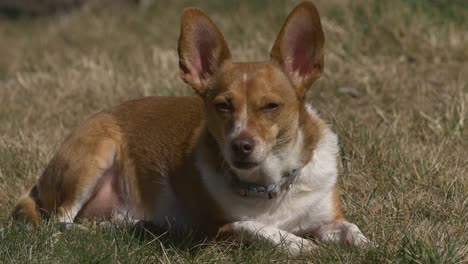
(245, 157)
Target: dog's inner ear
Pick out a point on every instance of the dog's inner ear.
(298, 48)
(202, 49)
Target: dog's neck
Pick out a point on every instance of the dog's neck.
(248, 189)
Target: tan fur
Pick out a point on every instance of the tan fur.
(193, 23)
(134, 128)
(26, 209)
(313, 37)
(336, 204)
(155, 142)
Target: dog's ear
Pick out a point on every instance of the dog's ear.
(202, 49)
(298, 48)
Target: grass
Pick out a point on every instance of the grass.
(395, 90)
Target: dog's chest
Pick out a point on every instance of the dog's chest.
(306, 205)
(303, 207)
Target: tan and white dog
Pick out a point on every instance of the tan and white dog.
(247, 156)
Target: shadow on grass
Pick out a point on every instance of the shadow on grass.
(189, 241)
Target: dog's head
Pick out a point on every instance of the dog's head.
(253, 108)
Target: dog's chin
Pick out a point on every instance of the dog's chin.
(245, 165)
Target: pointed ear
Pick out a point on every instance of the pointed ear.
(298, 48)
(202, 49)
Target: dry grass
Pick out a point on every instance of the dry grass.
(395, 90)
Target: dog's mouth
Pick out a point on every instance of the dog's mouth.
(245, 165)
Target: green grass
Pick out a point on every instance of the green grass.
(404, 137)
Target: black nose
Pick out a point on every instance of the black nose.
(242, 146)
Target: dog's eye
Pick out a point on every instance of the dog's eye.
(224, 107)
(270, 107)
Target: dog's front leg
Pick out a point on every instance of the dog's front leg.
(258, 231)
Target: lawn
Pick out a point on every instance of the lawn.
(395, 90)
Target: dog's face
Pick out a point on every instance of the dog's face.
(252, 109)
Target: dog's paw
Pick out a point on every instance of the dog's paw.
(342, 232)
(278, 238)
(296, 245)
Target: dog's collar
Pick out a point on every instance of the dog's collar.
(248, 189)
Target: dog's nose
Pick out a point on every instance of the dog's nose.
(242, 146)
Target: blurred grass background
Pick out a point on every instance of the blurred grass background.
(395, 89)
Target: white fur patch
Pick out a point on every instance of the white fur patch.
(311, 110)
